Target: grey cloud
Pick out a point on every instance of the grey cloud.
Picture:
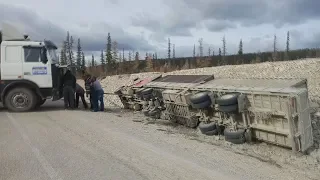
(219, 26)
(94, 40)
(227, 14)
(98, 38)
(178, 28)
(311, 42)
(30, 23)
(253, 12)
(177, 22)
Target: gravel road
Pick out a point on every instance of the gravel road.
(77, 145)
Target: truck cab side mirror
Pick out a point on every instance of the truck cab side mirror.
(43, 55)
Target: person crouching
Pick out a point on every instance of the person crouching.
(97, 96)
(80, 94)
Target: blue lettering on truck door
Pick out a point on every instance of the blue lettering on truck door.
(39, 70)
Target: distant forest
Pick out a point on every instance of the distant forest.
(113, 61)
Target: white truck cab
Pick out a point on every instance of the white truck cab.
(30, 74)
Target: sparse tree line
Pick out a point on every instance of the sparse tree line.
(113, 61)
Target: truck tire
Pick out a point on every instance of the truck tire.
(229, 108)
(235, 137)
(21, 99)
(199, 98)
(227, 99)
(233, 134)
(211, 133)
(202, 105)
(207, 127)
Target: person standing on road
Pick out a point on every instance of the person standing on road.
(97, 96)
(80, 94)
(89, 89)
(69, 86)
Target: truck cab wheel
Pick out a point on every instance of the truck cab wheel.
(20, 100)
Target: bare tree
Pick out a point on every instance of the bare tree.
(114, 57)
(200, 47)
(287, 47)
(209, 51)
(149, 63)
(120, 57)
(173, 51)
(194, 50)
(123, 58)
(275, 53)
(169, 49)
(224, 50)
(129, 56)
(288, 42)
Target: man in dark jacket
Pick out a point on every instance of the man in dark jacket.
(89, 89)
(80, 93)
(69, 86)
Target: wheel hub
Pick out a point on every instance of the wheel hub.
(20, 100)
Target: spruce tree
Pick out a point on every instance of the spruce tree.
(79, 55)
(83, 61)
(92, 61)
(137, 57)
(240, 51)
(71, 51)
(102, 61)
(109, 53)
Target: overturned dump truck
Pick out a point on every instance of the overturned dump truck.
(270, 110)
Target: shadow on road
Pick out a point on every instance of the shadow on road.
(48, 106)
(59, 105)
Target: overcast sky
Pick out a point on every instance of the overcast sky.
(145, 25)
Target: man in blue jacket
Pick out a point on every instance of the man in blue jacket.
(97, 95)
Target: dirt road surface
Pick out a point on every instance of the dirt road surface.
(78, 145)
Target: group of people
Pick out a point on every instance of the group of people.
(72, 92)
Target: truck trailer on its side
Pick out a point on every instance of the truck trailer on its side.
(272, 110)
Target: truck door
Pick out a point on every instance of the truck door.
(11, 62)
(35, 70)
(56, 82)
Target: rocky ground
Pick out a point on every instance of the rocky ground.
(307, 68)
